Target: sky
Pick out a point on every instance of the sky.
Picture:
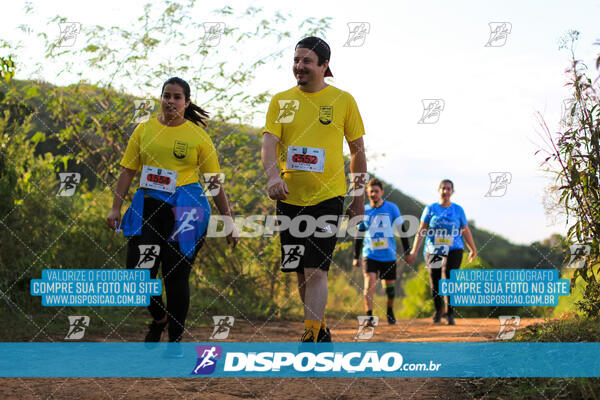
(415, 51)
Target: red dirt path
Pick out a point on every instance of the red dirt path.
(413, 330)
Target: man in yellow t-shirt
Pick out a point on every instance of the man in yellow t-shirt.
(302, 153)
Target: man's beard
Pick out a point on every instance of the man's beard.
(302, 81)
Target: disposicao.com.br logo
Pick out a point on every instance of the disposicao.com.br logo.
(319, 362)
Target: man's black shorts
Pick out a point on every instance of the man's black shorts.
(310, 251)
(385, 269)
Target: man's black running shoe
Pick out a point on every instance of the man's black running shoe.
(390, 317)
(308, 336)
(324, 336)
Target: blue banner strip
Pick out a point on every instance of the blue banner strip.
(235, 359)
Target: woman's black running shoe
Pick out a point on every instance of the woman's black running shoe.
(155, 330)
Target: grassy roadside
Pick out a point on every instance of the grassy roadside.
(51, 324)
(569, 328)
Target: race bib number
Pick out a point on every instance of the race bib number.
(305, 159)
(158, 179)
(380, 243)
(443, 240)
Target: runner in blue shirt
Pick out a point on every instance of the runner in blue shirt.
(379, 246)
(443, 225)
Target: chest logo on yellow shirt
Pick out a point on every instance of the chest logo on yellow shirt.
(180, 149)
(287, 111)
(325, 114)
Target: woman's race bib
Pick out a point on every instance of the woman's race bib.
(443, 240)
(380, 243)
(158, 179)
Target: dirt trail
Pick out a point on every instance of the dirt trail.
(407, 330)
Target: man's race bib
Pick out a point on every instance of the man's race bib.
(158, 179)
(380, 243)
(305, 159)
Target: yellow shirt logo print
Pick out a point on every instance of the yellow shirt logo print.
(180, 149)
(325, 114)
(287, 111)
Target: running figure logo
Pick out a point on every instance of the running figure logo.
(357, 33)
(207, 359)
(287, 111)
(212, 33)
(292, 254)
(358, 183)
(508, 326)
(77, 325)
(579, 255)
(68, 33)
(436, 261)
(498, 184)
(366, 327)
(432, 109)
(185, 216)
(571, 111)
(213, 182)
(223, 324)
(68, 183)
(499, 32)
(148, 255)
(143, 109)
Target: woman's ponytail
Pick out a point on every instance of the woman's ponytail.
(195, 114)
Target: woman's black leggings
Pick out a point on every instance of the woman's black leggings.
(452, 261)
(157, 226)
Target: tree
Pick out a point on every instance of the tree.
(85, 126)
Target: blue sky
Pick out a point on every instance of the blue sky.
(414, 51)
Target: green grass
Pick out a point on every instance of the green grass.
(51, 323)
(531, 388)
(569, 328)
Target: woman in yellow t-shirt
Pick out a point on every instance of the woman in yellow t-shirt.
(166, 223)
